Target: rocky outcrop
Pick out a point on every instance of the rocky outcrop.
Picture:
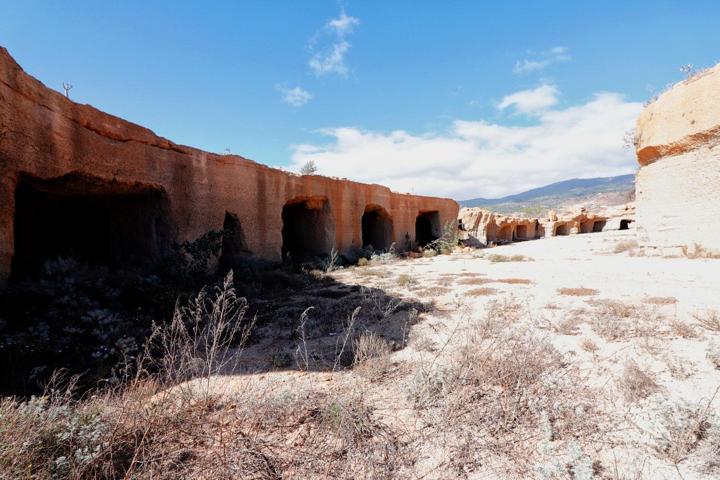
(678, 137)
(481, 227)
(76, 180)
(580, 221)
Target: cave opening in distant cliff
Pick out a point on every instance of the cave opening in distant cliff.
(586, 227)
(506, 233)
(562, 229)
(377, 228)
(625, 224)
(308, 228)
(598, 226)
(427, 228)
(234, 244)
(92, 220)
(521, 232)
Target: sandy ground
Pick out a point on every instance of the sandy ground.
(667, 342)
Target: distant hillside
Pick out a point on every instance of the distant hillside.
(605, 190)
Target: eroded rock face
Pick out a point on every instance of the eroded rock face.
(76, 179)
(679, 178)
(482, 227)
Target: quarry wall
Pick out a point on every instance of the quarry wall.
(679, 178)
(75, 179)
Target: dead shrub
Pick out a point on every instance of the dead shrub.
(371, 348)
(502, 396)
(433, 292)
(682, 329)
(151, 426)
(496, 258)
(474, 281)
(513, 281)
(589, 346)
(405, 280)
(614, 320)
(577, 292)
(682, 428)
(708, 319)
(636, 384)
(661, 300)
(481, 292)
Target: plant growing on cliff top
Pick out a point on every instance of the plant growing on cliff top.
(309, 168)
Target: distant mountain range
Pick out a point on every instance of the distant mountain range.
(609, 190)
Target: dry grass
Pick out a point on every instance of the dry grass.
(614, 320)
(683, 428)
(474, 281)
(708, 319)
(481, 292)
(636, 384)
(513, 281)
(505, 399)
(496, 258)
(661, 300)
(373, 272)
(405, 280)
(438, 291)
(589, 346)
(577, 292)
(180, 423)
(569, 323)
(682, 329)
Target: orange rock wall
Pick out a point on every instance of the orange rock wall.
(45, 135)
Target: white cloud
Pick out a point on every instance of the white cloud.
(542, 59)
(531, 101)
(330, 46)
(476, 158)
(297, 96)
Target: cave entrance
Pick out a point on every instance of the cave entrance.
(586, 227)
(598, 226)
(625, 224)
(234, 244)
(308, 228)
(562, 229)
(506, 233)
(377, 228)
(521, 232)
(97, 221)
(427, 228)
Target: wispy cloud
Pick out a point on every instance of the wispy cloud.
(531, 101)
(542, 59)
(476, 158)
(330, 46)
(296, 96)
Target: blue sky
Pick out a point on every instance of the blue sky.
(461, 98)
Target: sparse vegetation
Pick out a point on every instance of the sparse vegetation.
(496, 258)
(636, 383)
(578, 292)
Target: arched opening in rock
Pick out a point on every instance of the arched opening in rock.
(598, 226)
(93, 220)
(521, 232)
(427, 227)
(562, 229)
(586, 227)
(625, 224)
(377, 228)
(505, 234)
(308, 228)
(234, 245)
